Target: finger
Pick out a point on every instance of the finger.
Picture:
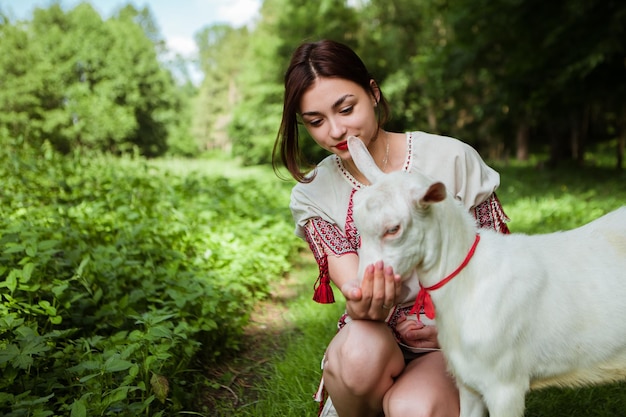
(367, 283)
(351, 291)
(391, 290)
(379, 286)
(403, 326)
(397, 282)
(425, 334)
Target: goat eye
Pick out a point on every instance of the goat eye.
(392, 230)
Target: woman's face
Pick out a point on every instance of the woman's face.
(334, 108)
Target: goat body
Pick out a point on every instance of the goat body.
(527, 311)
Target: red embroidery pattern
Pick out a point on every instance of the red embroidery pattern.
(355, 184)
(490, 215)
(331, 237)
(409, 156)
(352, 234)
(317, 248)
(325, 239)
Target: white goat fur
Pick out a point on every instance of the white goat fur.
(526, 312)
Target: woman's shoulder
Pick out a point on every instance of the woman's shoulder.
(444, 148)
(326, 196)
(328, 182)
(324, 172)
(456, 164)
(431, 140)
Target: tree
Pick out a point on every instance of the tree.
(149, 89)
(399, 41)
(504, 75)
(220, 49)
(543, 61)
(18, 86)
(85, 82)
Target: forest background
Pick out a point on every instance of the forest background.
(125, 274)
(508, 77)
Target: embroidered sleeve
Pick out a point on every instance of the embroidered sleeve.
(325, 239)
(490, 215)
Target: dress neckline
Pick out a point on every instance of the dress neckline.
(408, 159)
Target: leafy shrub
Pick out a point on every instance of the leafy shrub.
(116, 278)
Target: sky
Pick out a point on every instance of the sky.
(178, 20)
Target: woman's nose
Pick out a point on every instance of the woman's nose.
(337, 129)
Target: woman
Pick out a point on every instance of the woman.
(376, 363)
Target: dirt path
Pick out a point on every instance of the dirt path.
(233, 380)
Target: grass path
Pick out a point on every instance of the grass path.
(277, 371)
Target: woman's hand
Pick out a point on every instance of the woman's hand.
(416, 334)
(375, 296)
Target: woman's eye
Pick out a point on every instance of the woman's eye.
(346, 110)
(315, 123)
(392, 231)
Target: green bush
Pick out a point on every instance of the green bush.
(117, 279)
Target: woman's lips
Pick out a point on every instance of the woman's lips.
(342, 146)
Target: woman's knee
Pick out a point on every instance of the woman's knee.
(402, 405)
(361, 356)
(425, 389)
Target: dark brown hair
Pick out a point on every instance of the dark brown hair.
(310, 61)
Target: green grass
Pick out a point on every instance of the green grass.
(540, 201)
(537, 201)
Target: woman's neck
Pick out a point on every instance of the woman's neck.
(385, 153)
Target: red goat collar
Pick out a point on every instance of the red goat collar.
(423, 299)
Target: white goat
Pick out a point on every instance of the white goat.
(525, 312)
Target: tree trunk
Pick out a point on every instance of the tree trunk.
(579, 125)
(621, 144)
(432, 119)
(559, 148)
(521, 141)
(620, 151)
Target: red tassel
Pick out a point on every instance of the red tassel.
(323, 291)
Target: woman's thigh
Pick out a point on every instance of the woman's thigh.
(424, 389)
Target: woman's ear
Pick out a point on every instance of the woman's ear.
(375, 91)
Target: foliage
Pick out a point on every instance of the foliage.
(509, 77)
(218, 91)
(118, 279)
(78, 81)
(503, 76)
(521, 56)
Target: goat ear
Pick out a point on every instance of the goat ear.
(363, 160)
(435, 193)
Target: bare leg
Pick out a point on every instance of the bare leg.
(424, 389)
(361, 363)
